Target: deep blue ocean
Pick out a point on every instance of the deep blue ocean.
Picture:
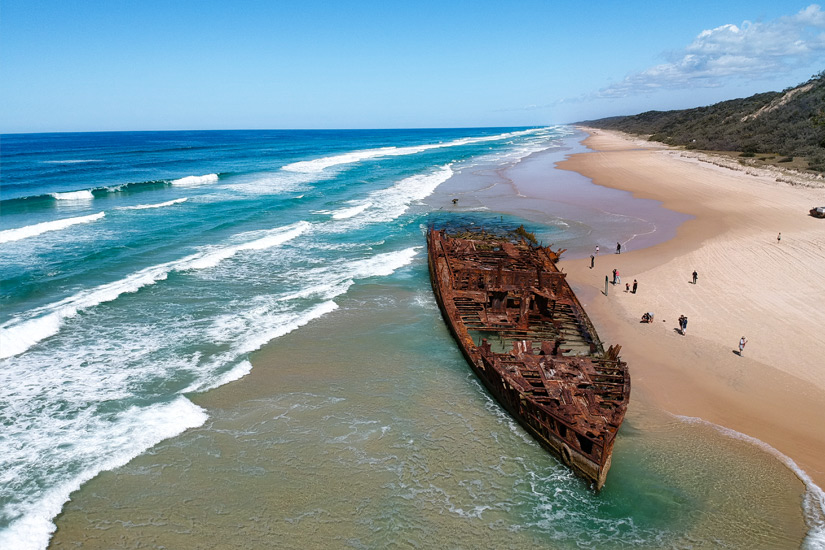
(139, 269)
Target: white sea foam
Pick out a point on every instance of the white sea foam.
(318, 165)
(105, 445)
(20, 334)
(215, 255)
(277, 325)
(345, 213)
(390, 203)
(84, 195)
(814, 500)
(19, 233)
(156, 205)
(191, 181)
(235, 373)
(270, 317)
(382, 265)
(271, 183)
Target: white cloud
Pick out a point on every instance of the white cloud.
(750, 50)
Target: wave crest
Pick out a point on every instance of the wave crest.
(190, 181)
(19, 233)
(157, 205)
(19, 335)
(84, 195)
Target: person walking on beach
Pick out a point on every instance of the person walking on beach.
(618, 248)
(615, 273)
(742, 342)
(695, 276)
(635, 286)
(597, 250)
(682, 324)
(779, 237)
(592, 260)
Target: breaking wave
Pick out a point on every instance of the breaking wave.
(190, 181)
(19, 233)
(318, 165)
(103, 445)
(157, 205)
(84, 195)
(19, 335)
(388, 204)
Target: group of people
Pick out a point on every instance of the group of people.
(647, 317)
(618, 249)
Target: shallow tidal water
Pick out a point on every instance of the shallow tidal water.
(366, 429)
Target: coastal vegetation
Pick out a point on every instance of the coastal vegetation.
(785, 128)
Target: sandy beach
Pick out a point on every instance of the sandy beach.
(749, 284)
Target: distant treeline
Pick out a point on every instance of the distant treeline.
(790, 124)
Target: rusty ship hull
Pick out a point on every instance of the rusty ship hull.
(528, 339)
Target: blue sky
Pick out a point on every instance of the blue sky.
(166, 65)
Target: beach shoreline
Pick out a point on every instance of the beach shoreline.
(749, 283)
(372, 408)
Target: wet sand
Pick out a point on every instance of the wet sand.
(748, 284)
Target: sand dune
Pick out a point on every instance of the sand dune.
(772, 292)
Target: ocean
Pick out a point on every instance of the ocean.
(227, 339)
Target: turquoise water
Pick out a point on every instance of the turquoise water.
(141, 270)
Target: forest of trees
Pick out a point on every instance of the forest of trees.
(789, 124)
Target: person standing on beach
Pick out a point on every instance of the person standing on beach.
(742, 342)
(779, 237)
(618, 278)
(597, 250)
(618, 248)
(592, 260)
(695, 276)
(635, 286)
(614, 276)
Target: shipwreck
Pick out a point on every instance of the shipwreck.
(528, 339)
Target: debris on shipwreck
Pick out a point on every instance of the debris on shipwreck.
(528, 339)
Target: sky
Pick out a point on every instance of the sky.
(72, 65)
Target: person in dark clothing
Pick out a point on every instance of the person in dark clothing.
(592, 260)
(635, 286)
(618, 248)
(695, 276)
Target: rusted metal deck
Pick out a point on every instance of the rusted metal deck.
(529, 340)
